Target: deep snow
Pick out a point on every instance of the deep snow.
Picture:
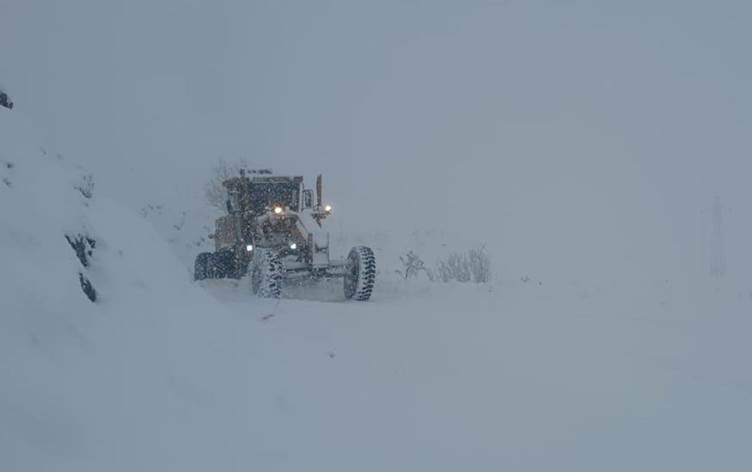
(166, 374)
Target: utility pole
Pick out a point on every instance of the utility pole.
(717, 244)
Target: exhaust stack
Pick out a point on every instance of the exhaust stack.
(319, 189)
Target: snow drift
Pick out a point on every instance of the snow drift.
(135, 381)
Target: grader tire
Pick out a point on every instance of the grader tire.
(360, 273)
(266, 274)
(201, 266)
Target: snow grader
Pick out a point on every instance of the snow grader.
(273, 233)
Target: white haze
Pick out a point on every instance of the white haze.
(572, 137)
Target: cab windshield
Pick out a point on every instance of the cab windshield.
(263, 195)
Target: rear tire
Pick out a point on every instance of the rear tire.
(360, 273)
(266, 274)
(222, 264)
(201, 266)
(214, 265)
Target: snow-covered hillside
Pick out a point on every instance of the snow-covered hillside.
(165, 374)
(136, 380)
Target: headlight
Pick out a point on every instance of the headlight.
(293, 246)
(249, 248)
(278, 210)
(328, 208)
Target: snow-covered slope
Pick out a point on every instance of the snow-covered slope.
(145, 378)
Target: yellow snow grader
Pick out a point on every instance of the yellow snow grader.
(273, 233)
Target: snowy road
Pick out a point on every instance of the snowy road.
(517, 378)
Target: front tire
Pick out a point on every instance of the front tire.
(266, 274)
(360, 273)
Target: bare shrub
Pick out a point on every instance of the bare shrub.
(412, 264)
(86, 186)
(454, 267)
(473, 265)
(214, 190)
(480, 264)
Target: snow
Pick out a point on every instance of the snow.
(522, 378)
(166, 374)
(115, 385)
(603, 341)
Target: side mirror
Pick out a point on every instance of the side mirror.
(307, 199)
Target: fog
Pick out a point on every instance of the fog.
(575, 138)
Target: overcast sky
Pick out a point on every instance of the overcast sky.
(571, 135)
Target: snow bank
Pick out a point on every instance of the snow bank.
(143, 379)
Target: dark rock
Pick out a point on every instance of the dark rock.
(87, 287)
(83, 246)
(5, 101)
